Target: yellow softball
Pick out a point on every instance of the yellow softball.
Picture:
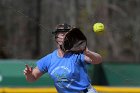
(98, 27)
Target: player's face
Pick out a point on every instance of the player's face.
(60, 37)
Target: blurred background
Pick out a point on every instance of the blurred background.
(26, 35)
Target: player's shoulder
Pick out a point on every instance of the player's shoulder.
(47, 56)
(51, 55)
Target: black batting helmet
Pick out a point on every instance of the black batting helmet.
(62, 28)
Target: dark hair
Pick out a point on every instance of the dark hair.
(62, 28)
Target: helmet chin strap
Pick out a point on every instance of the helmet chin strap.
(61, 48)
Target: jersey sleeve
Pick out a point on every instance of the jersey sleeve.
(82, 58)
(43, 63)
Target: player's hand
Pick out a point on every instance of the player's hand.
(86, 50)
(28, 70)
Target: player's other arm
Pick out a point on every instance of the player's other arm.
(92, 57)
(32, 74)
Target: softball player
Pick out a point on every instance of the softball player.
(67, 70)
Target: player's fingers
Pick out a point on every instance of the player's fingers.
(25, 72)
(86, 49)
(27, 66)
(28, 70)
(31, 68)
(25, 69)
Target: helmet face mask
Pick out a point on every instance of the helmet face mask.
(62, 28)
